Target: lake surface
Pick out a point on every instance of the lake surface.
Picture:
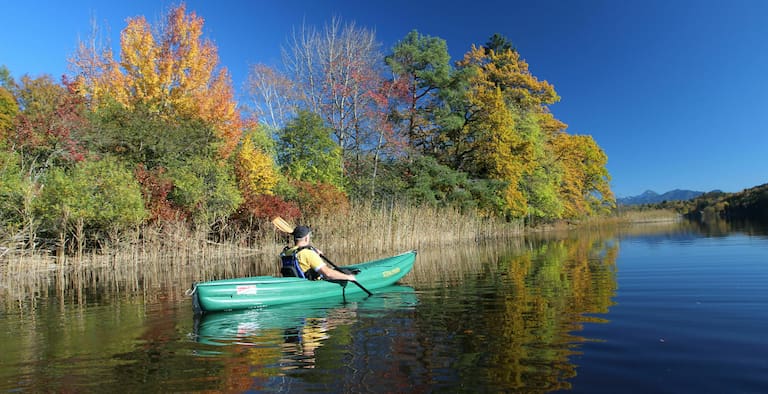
(654, 308)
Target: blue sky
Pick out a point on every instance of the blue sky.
(674, 91)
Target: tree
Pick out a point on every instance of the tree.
(307, 152)
(206, 190)
(8, 111)
(317, 199)
(255, 169)
(508, 71)
(141, 136)
(506, 130)
(172, 73)
(15, 190)
(96, 197)
(336, 70)
(421, 68)
(585, 187)
(272, 95)
(49, 125)
(499, 44)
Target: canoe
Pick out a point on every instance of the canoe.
(263, 291)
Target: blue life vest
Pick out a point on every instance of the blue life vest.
(290, 265)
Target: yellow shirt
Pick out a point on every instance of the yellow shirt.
(308, 258)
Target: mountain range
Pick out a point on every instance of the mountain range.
(651, 197)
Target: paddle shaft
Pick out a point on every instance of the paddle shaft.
(353, 281)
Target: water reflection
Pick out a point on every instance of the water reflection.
(474, 317)
(299, 329)
(526, 304)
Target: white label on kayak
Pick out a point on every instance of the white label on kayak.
(246, 290)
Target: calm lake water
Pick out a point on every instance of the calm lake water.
(646, 309)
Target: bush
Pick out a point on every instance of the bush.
(101, 197)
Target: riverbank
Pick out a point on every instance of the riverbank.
(365, 231)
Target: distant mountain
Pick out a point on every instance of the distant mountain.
(651, 197)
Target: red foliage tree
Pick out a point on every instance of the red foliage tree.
(52, 116)
(155, 188)
(320, 199)
(264, 206)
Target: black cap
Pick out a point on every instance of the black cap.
(300, 232)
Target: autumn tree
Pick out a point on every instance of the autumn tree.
(585, 187)
(50, 124)
(8, 111)
(507, 129)
(168, 107)
(172, 72)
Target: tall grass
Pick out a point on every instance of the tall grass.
(401, 227)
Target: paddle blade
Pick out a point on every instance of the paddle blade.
(282, 225)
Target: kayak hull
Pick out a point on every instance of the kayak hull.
(263, 291)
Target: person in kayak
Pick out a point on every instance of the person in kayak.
(310, 263)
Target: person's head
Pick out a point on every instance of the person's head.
(301, 233)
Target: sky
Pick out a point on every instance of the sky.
(674, 91)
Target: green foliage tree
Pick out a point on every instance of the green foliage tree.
(141, 136)
(6, 81)
(499, 44)
(94, 197)
(15, 191)
(206, 190)
(423, 180)
(307, 152)
(541, 180)
(421, 65)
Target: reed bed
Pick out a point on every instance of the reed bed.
(372, 230)
(644, 216)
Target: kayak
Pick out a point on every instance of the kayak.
(263, 291)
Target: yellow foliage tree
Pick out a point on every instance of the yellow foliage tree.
(172, 73)
(500, 153)
(585, 187)
(501, 90)
(8, 111)
(256, 174)
(510, 73)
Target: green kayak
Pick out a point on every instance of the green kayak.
(261, 291)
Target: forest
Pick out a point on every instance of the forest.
(154, 134)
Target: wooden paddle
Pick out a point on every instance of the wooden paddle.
(286, 227)
(282, 225)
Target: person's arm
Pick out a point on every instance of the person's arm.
(330, 273)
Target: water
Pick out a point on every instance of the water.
(673, 309)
